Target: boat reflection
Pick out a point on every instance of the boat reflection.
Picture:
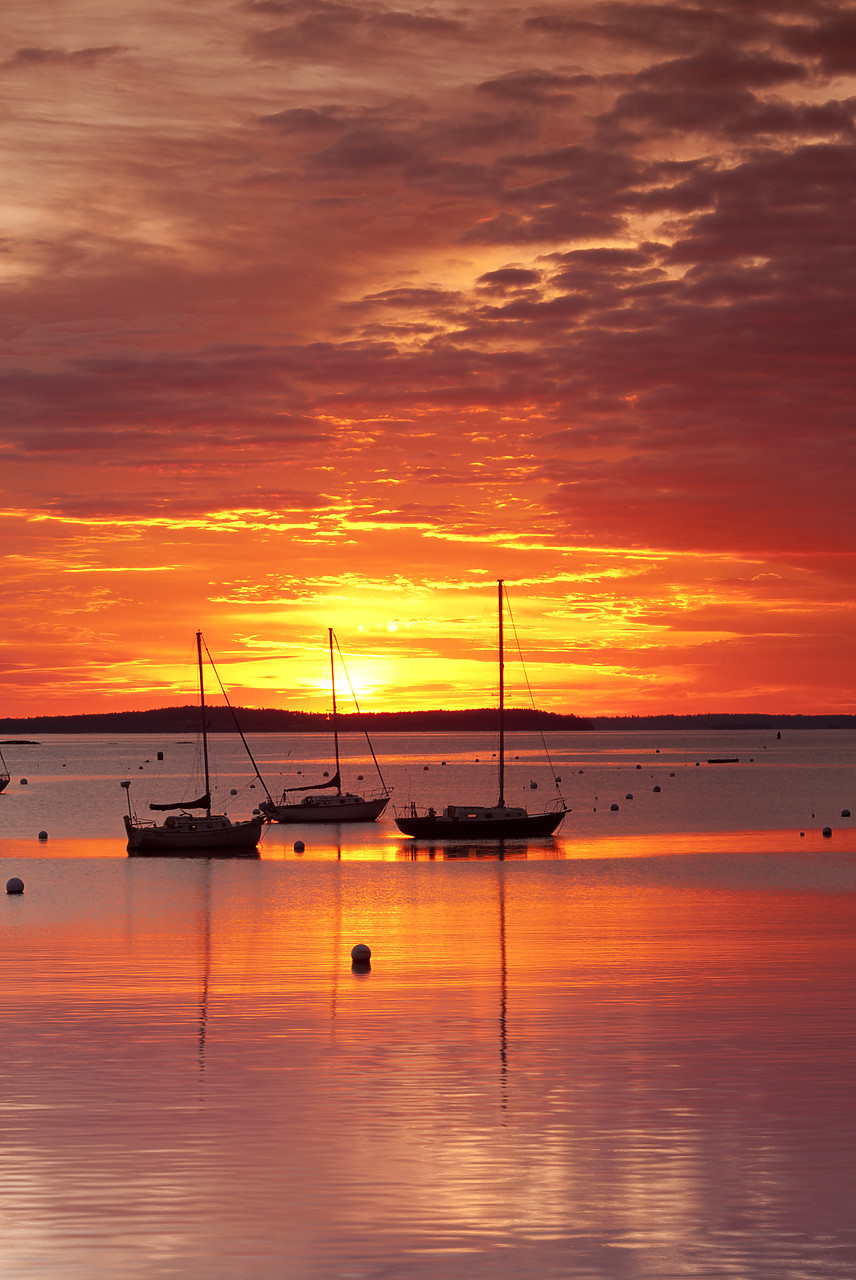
(482, 850)
(195, 855)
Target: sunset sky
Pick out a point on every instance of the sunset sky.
(332, 313)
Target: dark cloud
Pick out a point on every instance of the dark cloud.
(710, 92)
(508, 279)
(583, 198)
(322, 28)
(832, 41)
(534, 86)
(311, 120)
(39, 56)
(184, 503)
(364, 149)
(652, 27)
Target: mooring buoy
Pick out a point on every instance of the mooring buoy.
(15, 885)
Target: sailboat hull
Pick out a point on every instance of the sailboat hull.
(4, 782)
(464, 827)
(345, 808)
(193, 835)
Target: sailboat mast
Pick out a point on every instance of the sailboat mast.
(501, 800)
(204, 723)
(335, 720)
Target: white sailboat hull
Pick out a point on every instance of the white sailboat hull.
(344, 808)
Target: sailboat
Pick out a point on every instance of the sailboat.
(191, 826)
(463, 821)
(342, 806)
(5, 776)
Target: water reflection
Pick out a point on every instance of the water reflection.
(591, 1067)
(198, 855)
(381, 845)
(503, 992)
(205, 943)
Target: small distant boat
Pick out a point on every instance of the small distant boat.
(343, 806)
(5, 776)
(462, 821)
(191, 826)
(725, 760)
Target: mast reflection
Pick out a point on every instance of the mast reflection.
(503, 995)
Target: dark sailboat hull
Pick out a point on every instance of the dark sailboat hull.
(425, 827)
(202, 836)
(186, 832)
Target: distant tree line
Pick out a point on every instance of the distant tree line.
(219, 719)
(727, 720)
(170, 720)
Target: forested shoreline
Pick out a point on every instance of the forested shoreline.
(185, 719)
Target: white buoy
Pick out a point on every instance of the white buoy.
(299, 846)
(15, 885)
(43, 835)
(361, 953)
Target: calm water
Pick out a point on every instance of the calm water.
(624, 1053)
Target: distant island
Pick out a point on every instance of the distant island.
(185, 719)
(727, 720)
(253, 720)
